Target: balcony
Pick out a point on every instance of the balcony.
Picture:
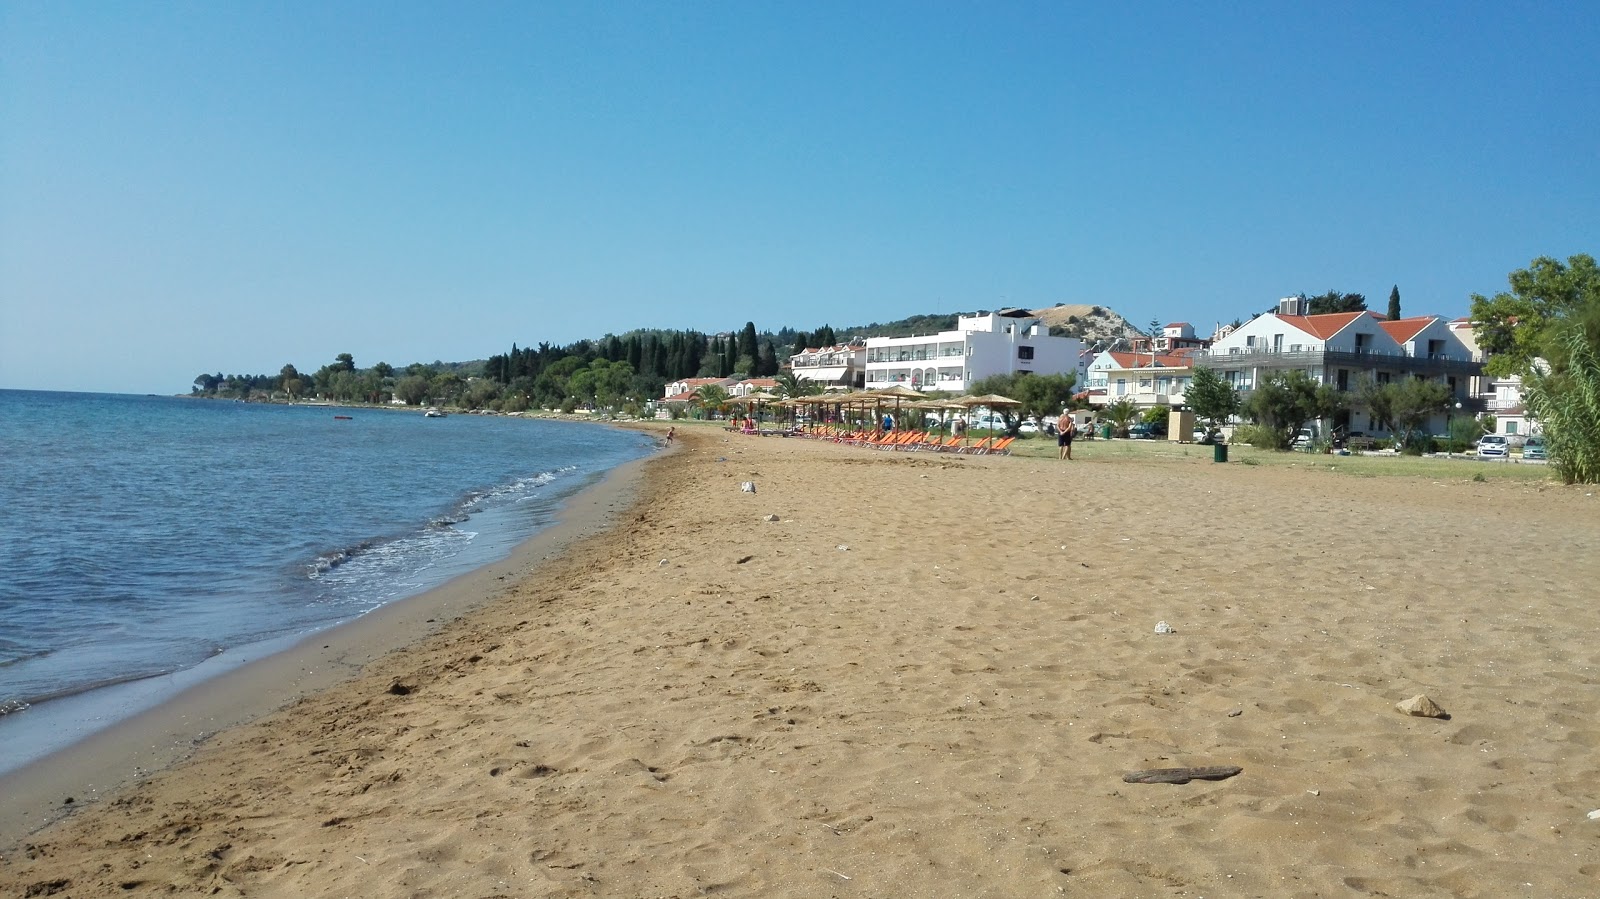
(1263, 357)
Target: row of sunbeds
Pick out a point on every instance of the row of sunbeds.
(915, 441)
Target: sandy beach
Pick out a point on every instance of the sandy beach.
(926, 677)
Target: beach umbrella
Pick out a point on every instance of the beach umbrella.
(760, 398)
(898, 393)
(986, 401)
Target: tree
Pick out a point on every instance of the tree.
(1040, 395)
(767, 363)
(747, 342)
(1515, 328)
(791, 385)
(1567, 402)
(344, 362)
(1394, 303)
(1121, 414)
(1213, 400)
(384, 370)
(1284, 401)
(711, 398)
(1404, 407)
(290, 382)
(1334, 301)
(412, 389)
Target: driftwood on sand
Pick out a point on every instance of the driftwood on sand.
(1180, 775)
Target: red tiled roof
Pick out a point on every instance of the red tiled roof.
(1406, 328)
(1142, 360)
(1324, 326)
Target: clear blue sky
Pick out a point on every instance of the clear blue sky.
(193, 187)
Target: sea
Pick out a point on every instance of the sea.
(147, 540)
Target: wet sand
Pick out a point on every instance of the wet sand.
(927, 677)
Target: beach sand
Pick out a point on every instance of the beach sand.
(928, 677)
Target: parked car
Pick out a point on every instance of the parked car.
(1029, 426)
(1303, 438)
(1493, 446)
(1533, 450)
(1142, 431)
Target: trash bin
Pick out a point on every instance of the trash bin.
(1105, 432)
(1219, 452)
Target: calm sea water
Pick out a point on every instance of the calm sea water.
(145, 535)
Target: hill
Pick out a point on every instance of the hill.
(1091, 324)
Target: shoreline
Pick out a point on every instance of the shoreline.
(896, 674)
(111, 759)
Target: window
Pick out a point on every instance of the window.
(1025, 352)
(1277, 343)
(1344, 379)
(1383, 377)
(1122, 386)
(1250, 341)
(1435, 349)
(1363, 342)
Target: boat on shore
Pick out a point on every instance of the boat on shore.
(434, 412)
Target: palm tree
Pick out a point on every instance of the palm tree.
(711, 398)
(1120, 414)
(791, 385)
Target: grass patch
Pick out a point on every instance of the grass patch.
(1462, 467)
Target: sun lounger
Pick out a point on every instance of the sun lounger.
(1000, 447)
(976, 449)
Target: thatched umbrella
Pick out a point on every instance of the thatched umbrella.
(987, 401)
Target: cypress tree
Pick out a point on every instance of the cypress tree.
(1394, 303)
(747, 341)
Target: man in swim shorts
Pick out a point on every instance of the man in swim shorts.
(1066, 429)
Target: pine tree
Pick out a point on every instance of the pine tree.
(1394, 303)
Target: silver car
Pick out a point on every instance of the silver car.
(1493, 446)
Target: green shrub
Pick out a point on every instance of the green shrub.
(1255, 435)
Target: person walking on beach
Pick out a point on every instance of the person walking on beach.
(1066, 429)
(670, 433)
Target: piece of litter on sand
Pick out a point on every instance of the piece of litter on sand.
(1164, 628)
(1595, 815)
(837, 874)
(844, 548)
(748, 486)
(661, 564)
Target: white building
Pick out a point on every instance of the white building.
(841, 366)
(996, 343)
(1147, 379)
(1342, 349)
(682, 391)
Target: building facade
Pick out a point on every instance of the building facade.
(841, 367)
(1344, 349)
(1146, 379)
(995, 343)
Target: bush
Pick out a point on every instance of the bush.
(1255, 435)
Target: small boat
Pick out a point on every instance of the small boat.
(341, 418)
(434, 412)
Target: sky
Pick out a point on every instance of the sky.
(229, 187)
